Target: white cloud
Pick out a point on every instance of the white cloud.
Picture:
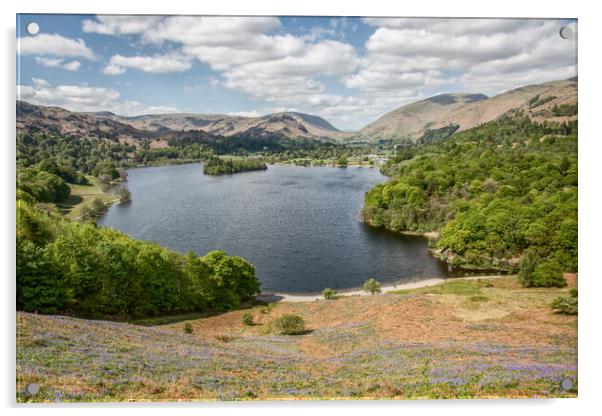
(454, 51)
(72, 66)
(119, 25)
(39, 82)
(158, 64)
(244, 114)
(261, 48)
(210, 30)
(455, 26)
(55, 45)
(84, 98)
(113, 70)
(382, 77)
(58, 63)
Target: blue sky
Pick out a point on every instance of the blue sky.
(347, 70)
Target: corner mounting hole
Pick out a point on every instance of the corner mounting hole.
(566, 32)
(32, 28)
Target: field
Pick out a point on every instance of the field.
(82, 195)
(462, 339)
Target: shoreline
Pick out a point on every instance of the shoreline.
(293, 298)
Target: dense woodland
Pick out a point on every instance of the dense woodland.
(89, 271)
(494, 192)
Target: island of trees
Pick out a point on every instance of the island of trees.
(220, 166)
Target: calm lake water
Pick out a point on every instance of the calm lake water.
(301, 227)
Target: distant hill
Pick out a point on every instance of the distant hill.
(287, 124)
(465, 111)
(410, 121)
(446, 112)
(59, 121)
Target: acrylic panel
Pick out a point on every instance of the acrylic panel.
(310, 208)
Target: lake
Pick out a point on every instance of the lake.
(301, 227)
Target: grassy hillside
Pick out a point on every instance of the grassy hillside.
(82, 196)
(550, 101)
(485, 339)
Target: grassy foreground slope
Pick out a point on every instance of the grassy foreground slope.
(483, 338)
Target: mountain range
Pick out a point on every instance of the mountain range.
(407, 123)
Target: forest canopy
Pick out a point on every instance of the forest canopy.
(492, 192)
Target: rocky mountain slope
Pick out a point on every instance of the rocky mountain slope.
(465, 111)
(59, 121)
(289, 124)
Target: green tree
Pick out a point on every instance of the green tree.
(372, 286)
(527, 267)
(39, 286)
(89, 271)
(548, 273)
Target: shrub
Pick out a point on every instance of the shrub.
(536, 272)
(548, 273)
(187, 328)
(247, 319)
(573, 292)
(287, 324)
(372, 286)
(329, 293)
(567, 305)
